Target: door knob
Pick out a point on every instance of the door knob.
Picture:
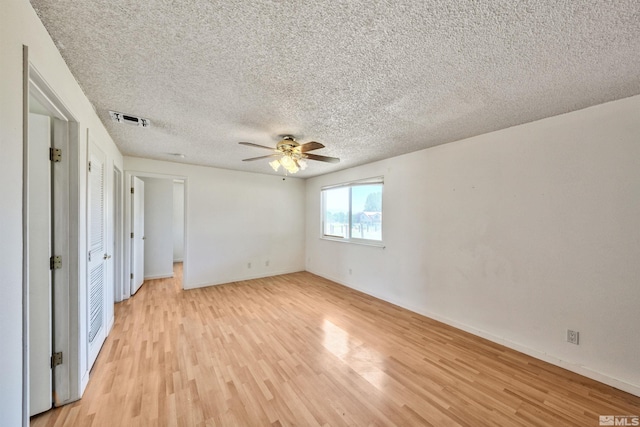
(106, 256)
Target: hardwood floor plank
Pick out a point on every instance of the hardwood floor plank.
(298, 349)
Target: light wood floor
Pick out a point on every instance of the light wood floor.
(300, 350)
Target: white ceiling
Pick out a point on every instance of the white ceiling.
(369, 79)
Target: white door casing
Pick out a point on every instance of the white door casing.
(39, 273)
(118, 236)
(43, 101)
(137, 239)
(67, 222)
(97, 255)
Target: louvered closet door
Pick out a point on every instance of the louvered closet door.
(96, 265)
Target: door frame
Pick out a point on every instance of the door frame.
(65, 212)
(118, 235)
(128, 206)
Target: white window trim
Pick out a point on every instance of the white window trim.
(353, 240)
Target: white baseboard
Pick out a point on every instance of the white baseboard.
(83, 383)
(241, 278)
(110, 323)
(159, 276)
(578, 369)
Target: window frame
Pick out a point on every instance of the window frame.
(379, 180)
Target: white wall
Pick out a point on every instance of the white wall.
(11, 215)
(516, 235)
(178, 221)
(158, 228)
(20, 26)
(236, 218)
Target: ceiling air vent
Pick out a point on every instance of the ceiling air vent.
(132, 120)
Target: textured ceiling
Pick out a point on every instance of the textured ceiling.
(369, 79)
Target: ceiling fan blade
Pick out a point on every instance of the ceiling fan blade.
(261, 157)
(322, 158)
(251, 144)
(310, 146)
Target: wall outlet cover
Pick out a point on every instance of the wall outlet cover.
(573, 337)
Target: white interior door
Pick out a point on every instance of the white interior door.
(39, 243)
(137, 237)
(97, 255)
(39, 273)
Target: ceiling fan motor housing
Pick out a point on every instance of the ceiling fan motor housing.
(287, 144)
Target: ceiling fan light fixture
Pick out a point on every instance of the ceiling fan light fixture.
(289, 163)
(275, 165)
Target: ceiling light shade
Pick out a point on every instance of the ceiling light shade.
(289, 164)
(275, 165)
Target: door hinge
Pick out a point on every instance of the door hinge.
(89, 166)
(55, 154)
(132, 275)
(55, 262)
(131, 190)
(132, 235)
(56, 359)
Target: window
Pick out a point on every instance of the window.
(353, 211)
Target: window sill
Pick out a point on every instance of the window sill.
(354, 241)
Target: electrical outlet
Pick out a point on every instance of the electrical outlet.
(266, 263)
(573, 337)
(248, 265)
(350, 272)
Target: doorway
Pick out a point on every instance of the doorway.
(158, 201)
(50, 274)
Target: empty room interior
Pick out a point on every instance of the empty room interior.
(320, 213)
